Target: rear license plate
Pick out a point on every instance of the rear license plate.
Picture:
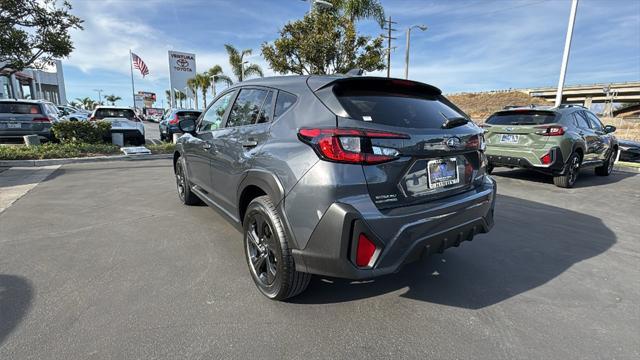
(509, 139)
(14, 125)
(442, 172)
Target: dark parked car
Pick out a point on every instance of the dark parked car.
(339, 176)
(629, 150)
(27, 117)
(169, 125)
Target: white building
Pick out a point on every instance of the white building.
(35, 84)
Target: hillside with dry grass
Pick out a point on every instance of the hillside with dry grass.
(480, 105)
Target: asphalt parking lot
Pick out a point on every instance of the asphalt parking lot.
(101, 261)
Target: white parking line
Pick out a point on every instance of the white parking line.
(17, 181)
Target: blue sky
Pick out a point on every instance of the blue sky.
(470, 45)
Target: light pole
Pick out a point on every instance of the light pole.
(565, 55)
(406, 55)
(242, 68)
(99, 91)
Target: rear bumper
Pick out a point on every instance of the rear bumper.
(527, 159)
(128, 133)
(13, 134)
(400, 237)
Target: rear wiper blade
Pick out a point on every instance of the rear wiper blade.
(454, 121)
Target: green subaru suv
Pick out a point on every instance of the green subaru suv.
(556, 141)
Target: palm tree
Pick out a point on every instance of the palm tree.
(362, 9)
(194, 85)
(218, 77)
(74, 104)
(112, 99)
(204, 81)
(87, 103)
(179, 95)
(236, 60)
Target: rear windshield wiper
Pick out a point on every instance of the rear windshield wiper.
(454, 121)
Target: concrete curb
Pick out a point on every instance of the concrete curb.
(46, 162)
(628, 169)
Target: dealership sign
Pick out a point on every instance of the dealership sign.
(182, 67)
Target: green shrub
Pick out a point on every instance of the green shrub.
(56, 151)
(163, 148)
(88, 132)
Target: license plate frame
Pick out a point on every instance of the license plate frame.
(443, 172)
(509, 138)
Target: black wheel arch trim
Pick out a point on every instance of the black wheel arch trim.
(271, 185)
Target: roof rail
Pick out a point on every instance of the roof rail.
(509, 107)
(564, 106)
(355, 72)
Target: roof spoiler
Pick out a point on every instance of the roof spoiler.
(387, 82)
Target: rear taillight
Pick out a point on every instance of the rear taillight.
(364, 251)
(554, 130)
(546, 159)
(42, 119)
(175, 120)
(351, 146)
(476, 142)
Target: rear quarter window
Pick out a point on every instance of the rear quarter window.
(283, 102)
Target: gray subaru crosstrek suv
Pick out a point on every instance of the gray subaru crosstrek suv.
(338, 176)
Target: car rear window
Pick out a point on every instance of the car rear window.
(395, 108)
(20, 108)
(522, 118)
(115, 113)
(191, 115)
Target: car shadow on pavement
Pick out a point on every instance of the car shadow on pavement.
(24, 176)
(531, 244)
(587, 177)
(16, 294)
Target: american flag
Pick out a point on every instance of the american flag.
(140, 65)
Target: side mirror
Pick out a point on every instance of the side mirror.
(609, 129)
(187, 125)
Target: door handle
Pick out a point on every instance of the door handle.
(249, 143)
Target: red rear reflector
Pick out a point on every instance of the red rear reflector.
(546, 159)
(41, 119)
(365, 251)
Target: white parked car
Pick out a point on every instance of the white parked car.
(72, 114)
(123, 120)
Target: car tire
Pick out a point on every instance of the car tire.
(268, 254)
(571, 172)
(183, 186)
(607, 168)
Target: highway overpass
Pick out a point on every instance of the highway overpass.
(590, 94)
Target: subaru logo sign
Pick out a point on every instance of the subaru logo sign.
(453, 142)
